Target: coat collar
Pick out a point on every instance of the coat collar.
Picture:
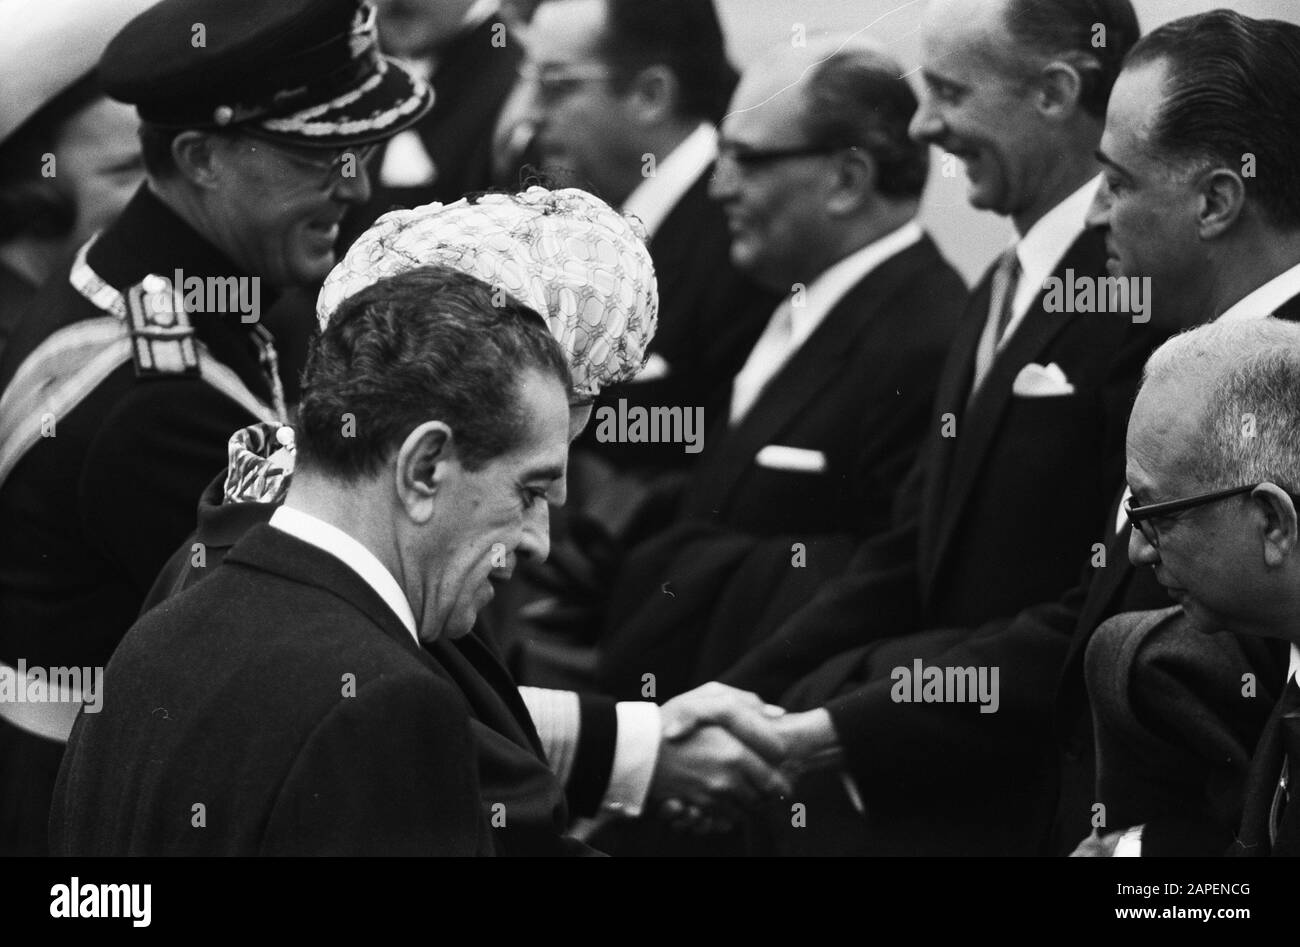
(272, 551)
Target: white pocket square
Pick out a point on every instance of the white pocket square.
(1037, 381)
(801, 459)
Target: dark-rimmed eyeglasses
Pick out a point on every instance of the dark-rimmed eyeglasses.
(747, 158)
(331, 164)
(1140, 517)
(553, 80)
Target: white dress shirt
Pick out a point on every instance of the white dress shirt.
(1039, 251)
(797, 318)
(676, 173)
(331, 539)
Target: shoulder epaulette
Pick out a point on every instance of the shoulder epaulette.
(162, 337)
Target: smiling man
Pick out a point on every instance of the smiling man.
(287, 705)
(1034, 402)
(121, 391)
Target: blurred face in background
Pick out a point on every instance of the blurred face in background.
(771, 200)
(99, 164)
(582, 125)
(974, 109)
(414, 28)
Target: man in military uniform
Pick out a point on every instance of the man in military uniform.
(125, 379)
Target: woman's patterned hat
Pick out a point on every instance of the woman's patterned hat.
(569, 256)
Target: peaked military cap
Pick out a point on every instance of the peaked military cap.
(307, 72)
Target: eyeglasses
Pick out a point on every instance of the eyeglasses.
(332, 165)
(748, 159)
(1140, 516)
(554, 80)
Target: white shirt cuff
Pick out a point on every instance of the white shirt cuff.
(558, 718)
(636, 751)
(1129, 844)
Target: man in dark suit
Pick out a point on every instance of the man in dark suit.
(1030, 410)
(821, 185)
(394, 531)
(1212, 462)
(121, 385)
(625, 97)
(1219, 244)
(541, 753)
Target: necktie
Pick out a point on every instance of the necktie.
(765, 360)
(1006, 278)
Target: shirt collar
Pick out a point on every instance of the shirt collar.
(1294, 670)
(329, 538)
(824, 292)
(658, 194)
(1265, 300)
(1046, 242)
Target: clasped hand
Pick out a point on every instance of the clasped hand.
(724, 751)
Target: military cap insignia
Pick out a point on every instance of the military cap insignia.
(162, 338)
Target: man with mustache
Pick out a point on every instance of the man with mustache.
(121, 388)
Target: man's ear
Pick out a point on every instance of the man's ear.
(1060, 86)
(654, 94)
(1281, 531)
(422, 468)
(854, 184)
(1223, 197)
(197, 157)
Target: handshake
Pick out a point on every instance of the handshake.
(724, 751)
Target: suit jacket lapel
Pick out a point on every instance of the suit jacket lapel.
(815, 365)
(980, 424)
(950, 398)
(489, 688)
(271, 550)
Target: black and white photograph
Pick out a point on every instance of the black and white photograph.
(687, 429)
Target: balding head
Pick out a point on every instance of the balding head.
(815, 158)
(1217, 423)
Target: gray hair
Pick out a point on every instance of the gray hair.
(1250, 374)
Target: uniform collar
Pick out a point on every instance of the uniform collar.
(150, 237)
